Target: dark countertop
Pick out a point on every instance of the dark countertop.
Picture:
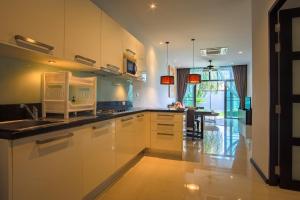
(75, 122)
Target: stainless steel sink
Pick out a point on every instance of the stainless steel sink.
(26, 124)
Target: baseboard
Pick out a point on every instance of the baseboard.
(172, 155)
(120, 172)
(259, 171)
(114, 177)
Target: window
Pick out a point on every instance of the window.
(216, 92)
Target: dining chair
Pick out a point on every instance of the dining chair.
(192, 124)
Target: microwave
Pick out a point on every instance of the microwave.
(130, 66)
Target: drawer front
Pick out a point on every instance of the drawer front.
(164, 116)
(162, 126)
(166, 140)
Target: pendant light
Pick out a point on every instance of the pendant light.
(167, 79)
(194, 78)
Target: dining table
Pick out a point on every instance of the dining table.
(202, 113)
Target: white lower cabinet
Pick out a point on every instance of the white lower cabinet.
(125, 140)
(98, 154)
(142, 127)
(72, 163)
(166, 132)
(47, 167)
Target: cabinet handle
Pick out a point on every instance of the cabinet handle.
(165, 115)
(113, 67)
(167, 134)
(127, 119)
(141, 115)
(159, 124)
(130, 51)
(33, 42)
(84, 60)
(101, 126)
(54, 139)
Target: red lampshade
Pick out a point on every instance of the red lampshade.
(194, 78)
(167, 80)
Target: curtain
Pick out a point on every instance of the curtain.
(240, 79)
(181, 83)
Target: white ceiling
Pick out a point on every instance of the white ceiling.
(213, 23)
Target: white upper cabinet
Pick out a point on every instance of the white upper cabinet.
(134, 46)
(83, 32)
(41, 21)
(111, 37)
(140, 62)
(129, 42)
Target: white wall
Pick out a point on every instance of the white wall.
(260, 70)
(151, 93)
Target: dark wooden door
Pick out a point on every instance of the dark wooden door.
(290, 99)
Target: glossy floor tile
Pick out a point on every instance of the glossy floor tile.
(216, 173)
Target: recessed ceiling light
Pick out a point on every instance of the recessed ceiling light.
(161, 43)
(240, 52)
(192, 187)
(153, 6)
(51, 62)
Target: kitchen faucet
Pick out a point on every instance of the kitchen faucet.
(34, 113)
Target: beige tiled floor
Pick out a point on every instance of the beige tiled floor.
(214, 175)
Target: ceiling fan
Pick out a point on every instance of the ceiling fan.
(210, 67)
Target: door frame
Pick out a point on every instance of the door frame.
(274, 94)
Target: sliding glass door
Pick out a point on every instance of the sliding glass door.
(210, 96)
(216, 92)
(232, 100)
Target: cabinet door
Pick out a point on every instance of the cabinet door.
(148, 130)
(140, 57)
(129, 42)
(42, 21)
(141, 127)
(47, 167)
(125, 140)
(112, 53)
(98, 154)
(83, 32)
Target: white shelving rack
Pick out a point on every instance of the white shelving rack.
(64, 93)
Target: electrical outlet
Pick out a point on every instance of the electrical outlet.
(123, 103)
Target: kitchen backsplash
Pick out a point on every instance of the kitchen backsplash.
(114, 105)
(20, 82)
(15, 112)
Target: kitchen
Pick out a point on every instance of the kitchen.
(69, 128)
(135, 99)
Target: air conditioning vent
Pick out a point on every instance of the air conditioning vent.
(217, 51)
